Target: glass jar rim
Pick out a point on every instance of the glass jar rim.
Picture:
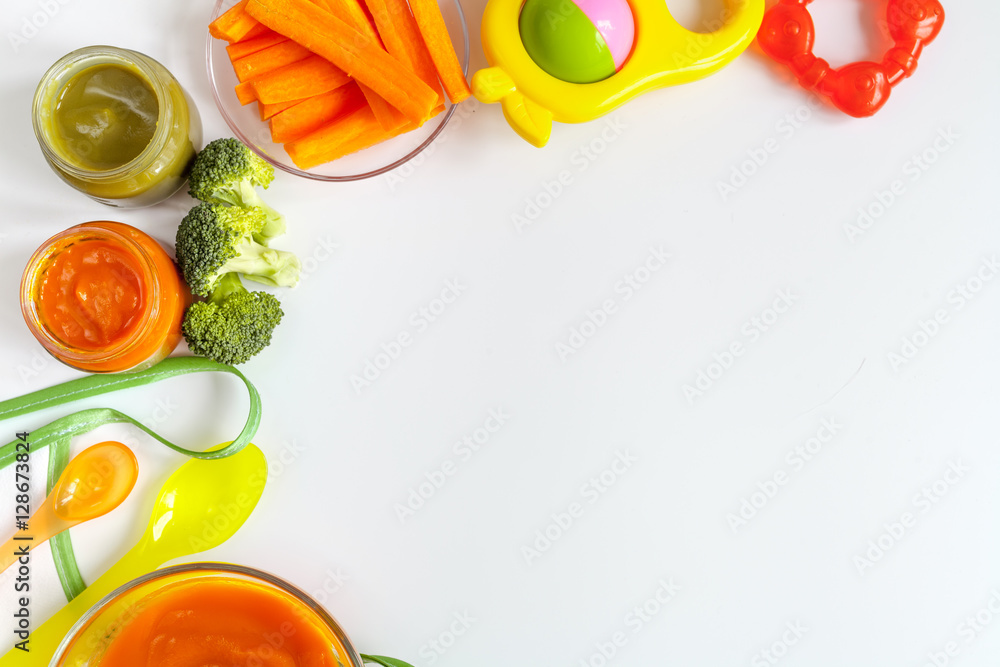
(48, 251)
(57, 77)
(209, 568)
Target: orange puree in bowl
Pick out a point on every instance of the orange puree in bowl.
(104, 297)
(222, 622)
(93, 294)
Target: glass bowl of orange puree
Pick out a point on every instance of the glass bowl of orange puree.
(207, 614)
(104, 297)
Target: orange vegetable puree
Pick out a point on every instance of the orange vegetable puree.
(223, 622)
(93, 294)
(104, 297)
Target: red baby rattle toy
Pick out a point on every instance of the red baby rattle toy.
(859, 89)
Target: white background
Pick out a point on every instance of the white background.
(341, 460)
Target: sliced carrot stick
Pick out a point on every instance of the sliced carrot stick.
(234, 24)
(365, 140)
(246, 47)
(219, 27)
(258, 64)
(432, 28)
(312, 114)
(268, 111)
(353, 14)
(336, 132)
(402, 39)
(371, 20)
(307, 153)
(346, 135)
(299, 80)
(245, 93)
(322, 145)
(256, 31)
(353, 52)
(388, 116)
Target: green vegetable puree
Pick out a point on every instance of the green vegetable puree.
(105, 117)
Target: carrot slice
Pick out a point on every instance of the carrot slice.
(258, 64)
(234, 24)
(346, 135)
(353, 14)
(353, 52)
(338, 131)
(387, 115)
(365, 140)
(245, 93)
(268, 111)
(323, 144)
(402, 39)
(432, 28)
(246, 47)
(312, 114)
(256, 31)
(312, 76)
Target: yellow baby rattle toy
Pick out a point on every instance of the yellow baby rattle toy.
(573, 61)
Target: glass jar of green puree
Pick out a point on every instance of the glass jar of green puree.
(116, 125)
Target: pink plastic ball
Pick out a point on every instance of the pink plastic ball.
(614, 20)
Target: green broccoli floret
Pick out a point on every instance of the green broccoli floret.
(214, 239)
(226, 172)
(234, 325)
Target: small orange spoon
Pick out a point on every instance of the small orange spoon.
(95, 482)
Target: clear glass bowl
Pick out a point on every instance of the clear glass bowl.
(246, 124)
(86, 642)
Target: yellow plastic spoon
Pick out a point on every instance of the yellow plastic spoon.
(200, 506)
(95, 482)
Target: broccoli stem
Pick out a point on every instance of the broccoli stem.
(274, 224)
(226, 286)
(265, 265)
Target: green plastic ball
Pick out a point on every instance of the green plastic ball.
(564, 42)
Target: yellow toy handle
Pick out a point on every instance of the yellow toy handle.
(665, 54)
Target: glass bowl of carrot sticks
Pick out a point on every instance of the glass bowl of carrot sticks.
(338, 90)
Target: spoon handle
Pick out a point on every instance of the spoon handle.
(12, 550)
(43, 527)
(44, 640)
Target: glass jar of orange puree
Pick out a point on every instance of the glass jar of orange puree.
(207, 614)
(116, 125)
(104, 297)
